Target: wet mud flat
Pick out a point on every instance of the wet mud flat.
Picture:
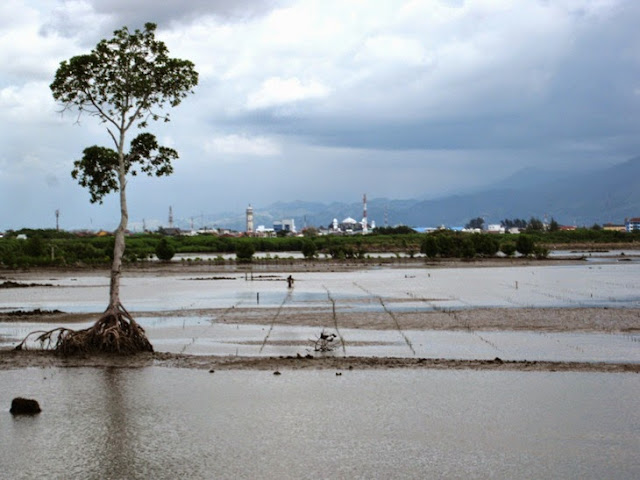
(11, 359)
(528, 316)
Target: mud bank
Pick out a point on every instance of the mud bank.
(623, 320)
(10, 360)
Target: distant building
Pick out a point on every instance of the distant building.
(287, 225)
(632, 224)
(348, 225)
(169, 231)
(262, 231)
(614, 228)
(495, 228)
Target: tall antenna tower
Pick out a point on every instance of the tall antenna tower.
(364, 206)
(170, 217)
(57, 220)
(365, 222)
(386, 215)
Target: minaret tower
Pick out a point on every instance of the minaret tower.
(249, 220)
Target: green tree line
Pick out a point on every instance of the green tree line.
(53, 248)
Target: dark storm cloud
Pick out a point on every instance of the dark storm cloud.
(164, 12)
(591, 96)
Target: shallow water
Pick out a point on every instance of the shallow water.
(199, 336)
(170, 423)
(377, 290)
(417, 289)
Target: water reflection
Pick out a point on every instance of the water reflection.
(166, 423)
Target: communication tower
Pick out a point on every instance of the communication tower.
(365, 225)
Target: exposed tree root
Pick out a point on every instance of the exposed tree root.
(115, 332)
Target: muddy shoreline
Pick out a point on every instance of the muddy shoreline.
(11, 360)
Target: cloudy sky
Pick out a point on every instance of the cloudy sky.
(326, 100)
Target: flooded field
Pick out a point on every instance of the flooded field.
(373, 312)
(168, 423)
(579, 285)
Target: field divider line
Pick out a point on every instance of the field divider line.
(390, 313)
(335, 320)
(273, 321)
(453, 313)
(211, 323)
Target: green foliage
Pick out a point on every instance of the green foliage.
(508, 248)
(429, 246)
(525, 244)
(34, 246)
(165, 250)
(70, 249)
(467, 249)
(309, 249)
(540, 251)
(485, 245)
(448, 245)
(97, 170)
(399, 230)
(245, 251)
(126, 78)
(553, 225)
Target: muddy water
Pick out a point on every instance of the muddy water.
(417, 289)
(168, 423)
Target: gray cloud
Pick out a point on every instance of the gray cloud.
(312, 100)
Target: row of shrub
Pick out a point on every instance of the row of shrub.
(48, 247)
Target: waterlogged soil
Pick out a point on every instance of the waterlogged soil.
(11, 359)
(522, 318)
(622, 320)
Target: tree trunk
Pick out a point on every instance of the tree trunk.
(119, 245)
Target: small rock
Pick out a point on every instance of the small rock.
(276, 372)
(212, 371)
(338, 374)
(498, 360)
(24, 406)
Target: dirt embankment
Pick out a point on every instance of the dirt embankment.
(10, 359)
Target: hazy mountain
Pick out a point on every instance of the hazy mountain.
(601, 196)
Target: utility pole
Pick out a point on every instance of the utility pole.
(57, 220)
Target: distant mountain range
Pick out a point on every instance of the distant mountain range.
(607, 195)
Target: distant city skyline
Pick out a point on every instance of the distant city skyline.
(321, 101)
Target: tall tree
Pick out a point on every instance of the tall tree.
(125, 82)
